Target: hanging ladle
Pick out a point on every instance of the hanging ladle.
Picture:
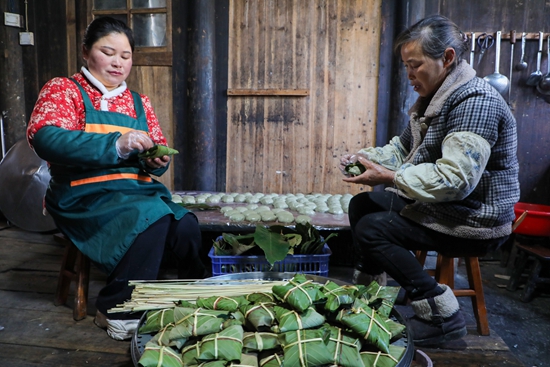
(522, 65)
(497, 80)
(536, 75)
(543, 86)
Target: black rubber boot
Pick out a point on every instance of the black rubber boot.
(437, 320)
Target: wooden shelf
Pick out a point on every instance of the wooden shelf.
(268, 92)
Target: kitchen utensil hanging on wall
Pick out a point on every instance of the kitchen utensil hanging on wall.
(522, 65)
(543, 86)
(473, 48)
(536, 75)
(512, 42)
(497, 80)
(484, 41)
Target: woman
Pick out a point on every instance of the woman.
(452, 177)
(90, 128)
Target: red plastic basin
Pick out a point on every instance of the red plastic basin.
(537, 220)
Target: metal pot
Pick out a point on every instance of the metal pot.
(24, 178)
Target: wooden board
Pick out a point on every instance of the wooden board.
(287, 144)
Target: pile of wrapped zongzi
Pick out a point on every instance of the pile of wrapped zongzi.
(301, 323)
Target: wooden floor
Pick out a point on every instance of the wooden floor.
(37, 333)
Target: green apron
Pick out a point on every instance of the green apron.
(103, 209)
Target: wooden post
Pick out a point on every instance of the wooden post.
(201, 121)
(12, 90)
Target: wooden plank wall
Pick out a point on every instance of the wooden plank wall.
(289, 144)
(156, 83)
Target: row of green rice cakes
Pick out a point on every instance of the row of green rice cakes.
(260, 207)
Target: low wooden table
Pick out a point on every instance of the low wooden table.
(212, 223)
(214, 220)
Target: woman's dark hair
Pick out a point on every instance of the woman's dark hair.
(434, 34)
(103, 26)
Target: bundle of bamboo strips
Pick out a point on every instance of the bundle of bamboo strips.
(153, 295)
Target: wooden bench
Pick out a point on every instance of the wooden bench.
(444, 273)
(539, 254)
(74, 267)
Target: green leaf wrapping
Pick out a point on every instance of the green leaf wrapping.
(273, 244)
(190, 354)
(299, 293)
(196, 322)
(157, 151)
(258, 297)
(261, 316)
(259, 341)
(274, 360)
(337, 295)
(381, 298)
(355, 169)
(154, 356)
(186, 304)
(379, 359)
(367, 323)
(221, 303)
(305, 348)
(344, 348)
(162, 338)
(396, 329)
(157, 320)
(231, 244)
(289, 320)
(210, 364)
(226, 345)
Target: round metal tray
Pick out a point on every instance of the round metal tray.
(138, 341)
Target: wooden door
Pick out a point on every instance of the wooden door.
(303, 79)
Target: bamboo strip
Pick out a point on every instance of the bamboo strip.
(153, 295)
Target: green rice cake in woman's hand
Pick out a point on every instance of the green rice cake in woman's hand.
(157, 151)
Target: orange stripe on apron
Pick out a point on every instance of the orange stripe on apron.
(106, 129)
(111, 177)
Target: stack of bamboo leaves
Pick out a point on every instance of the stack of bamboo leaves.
(274, 242)
(297, 323)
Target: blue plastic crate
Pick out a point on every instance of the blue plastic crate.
(305, 264)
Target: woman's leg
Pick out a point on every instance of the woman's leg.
(385, 240)
(141, 261)
(185, 241)
(365, 204)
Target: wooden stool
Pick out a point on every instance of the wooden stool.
(75, 266)
(537, 252)
(444, 273)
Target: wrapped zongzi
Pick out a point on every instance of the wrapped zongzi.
(367, 323)
(299, 293)
(153, 354)
(305, 348)
(289, 320)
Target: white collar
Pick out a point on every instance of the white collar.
(104, 106)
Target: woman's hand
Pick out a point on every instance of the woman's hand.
(345, 160)
(158, 162)
(374, 175)
(131, 141)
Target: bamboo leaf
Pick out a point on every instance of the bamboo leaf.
(273, 244)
